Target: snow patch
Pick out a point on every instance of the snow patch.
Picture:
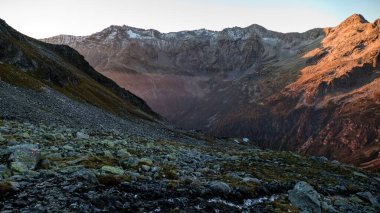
(235, 34)
(111, 36)
(133, 35)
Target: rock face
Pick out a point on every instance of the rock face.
(315, 92)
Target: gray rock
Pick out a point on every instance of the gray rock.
(2, 139)
(328, 208)
(68, 147)
(359, 174)
(155, 169)
(305, 198)
(4, 172)
(340, 202)
(146, 161)
(355, 199)
(122, 153)
(87, 175)
(216, 167)
(107, 154)
(112, 170)
(133, 175)
(81, 135)
(321, 159)
(16, 186)
(367, 196)
(132, 162)
(219, 187)
(25, 135)
(145, 168)
(24, 157)
(251, 180)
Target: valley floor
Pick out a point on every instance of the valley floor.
(59, 169)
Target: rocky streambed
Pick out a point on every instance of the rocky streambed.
(59, 169)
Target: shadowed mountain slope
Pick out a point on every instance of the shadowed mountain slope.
(33, 64)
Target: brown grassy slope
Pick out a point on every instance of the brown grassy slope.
(30, 63)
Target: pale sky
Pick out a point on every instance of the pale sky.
(45, 18)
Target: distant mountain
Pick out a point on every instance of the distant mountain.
(56, 71)
(178, 74)
(316, 92)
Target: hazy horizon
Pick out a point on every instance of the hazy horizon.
(45, 18)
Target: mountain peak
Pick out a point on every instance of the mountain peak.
(354, 19)
(377, 22)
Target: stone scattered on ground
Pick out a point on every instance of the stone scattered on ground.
(59, 169)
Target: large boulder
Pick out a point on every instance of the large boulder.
(219, 187)
(23, 157)
(305, 198)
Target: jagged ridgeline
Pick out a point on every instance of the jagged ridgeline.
(32, 64)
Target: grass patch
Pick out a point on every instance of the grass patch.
(97, 162)
(5, 188)
(14, 76)
(112, 180)
(170, 171)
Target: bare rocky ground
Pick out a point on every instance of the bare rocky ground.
(54, 168)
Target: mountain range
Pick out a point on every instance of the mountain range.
(315, 92)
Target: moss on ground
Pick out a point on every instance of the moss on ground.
(5, 187)
(14, 76)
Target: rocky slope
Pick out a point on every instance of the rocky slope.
(315, 92)
(38, 66)
(55, 168)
